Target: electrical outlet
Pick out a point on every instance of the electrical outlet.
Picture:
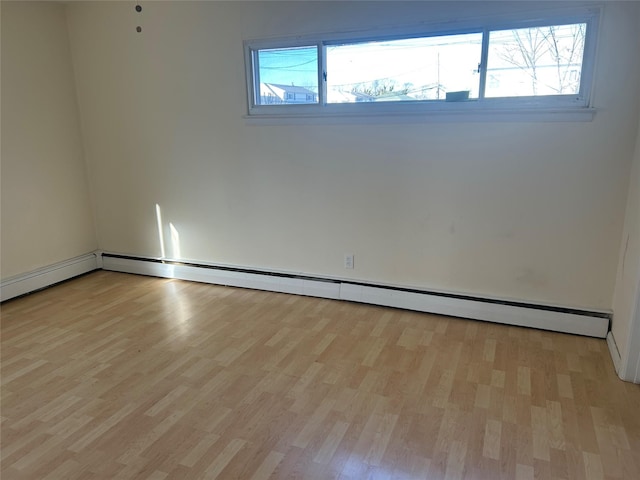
(348, 261)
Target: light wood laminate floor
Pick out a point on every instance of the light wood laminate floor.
(115, 376)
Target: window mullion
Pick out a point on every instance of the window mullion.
(482, 67)
(255, 76)
(322, 74)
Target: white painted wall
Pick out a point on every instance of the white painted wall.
(530, 211)
(627, 289)
(46, 215)
(625, 325)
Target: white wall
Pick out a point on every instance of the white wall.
(628, 278)
(625, 326)
(46, 215)
(530, 211)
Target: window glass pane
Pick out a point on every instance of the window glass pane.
(287, 75)
(405, 70)
(535, 61)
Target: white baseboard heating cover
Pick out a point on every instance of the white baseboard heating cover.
(47, 276)
(554, 318)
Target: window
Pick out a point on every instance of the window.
(286, 75)
(405, 70)
(536, 61)
(510, 64)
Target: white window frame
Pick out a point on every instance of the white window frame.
(544, 107)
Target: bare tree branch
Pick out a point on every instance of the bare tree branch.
(529, 48)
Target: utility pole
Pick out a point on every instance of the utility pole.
(438, 85)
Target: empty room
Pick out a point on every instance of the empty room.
(320, 240)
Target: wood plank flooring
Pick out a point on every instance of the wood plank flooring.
(115, 376)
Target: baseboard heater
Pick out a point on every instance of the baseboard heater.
(47, 276)
(545, 317)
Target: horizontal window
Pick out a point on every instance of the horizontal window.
(505, 65)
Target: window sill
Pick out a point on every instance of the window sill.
(435, 116)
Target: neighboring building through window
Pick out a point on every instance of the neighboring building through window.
(275, 94)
